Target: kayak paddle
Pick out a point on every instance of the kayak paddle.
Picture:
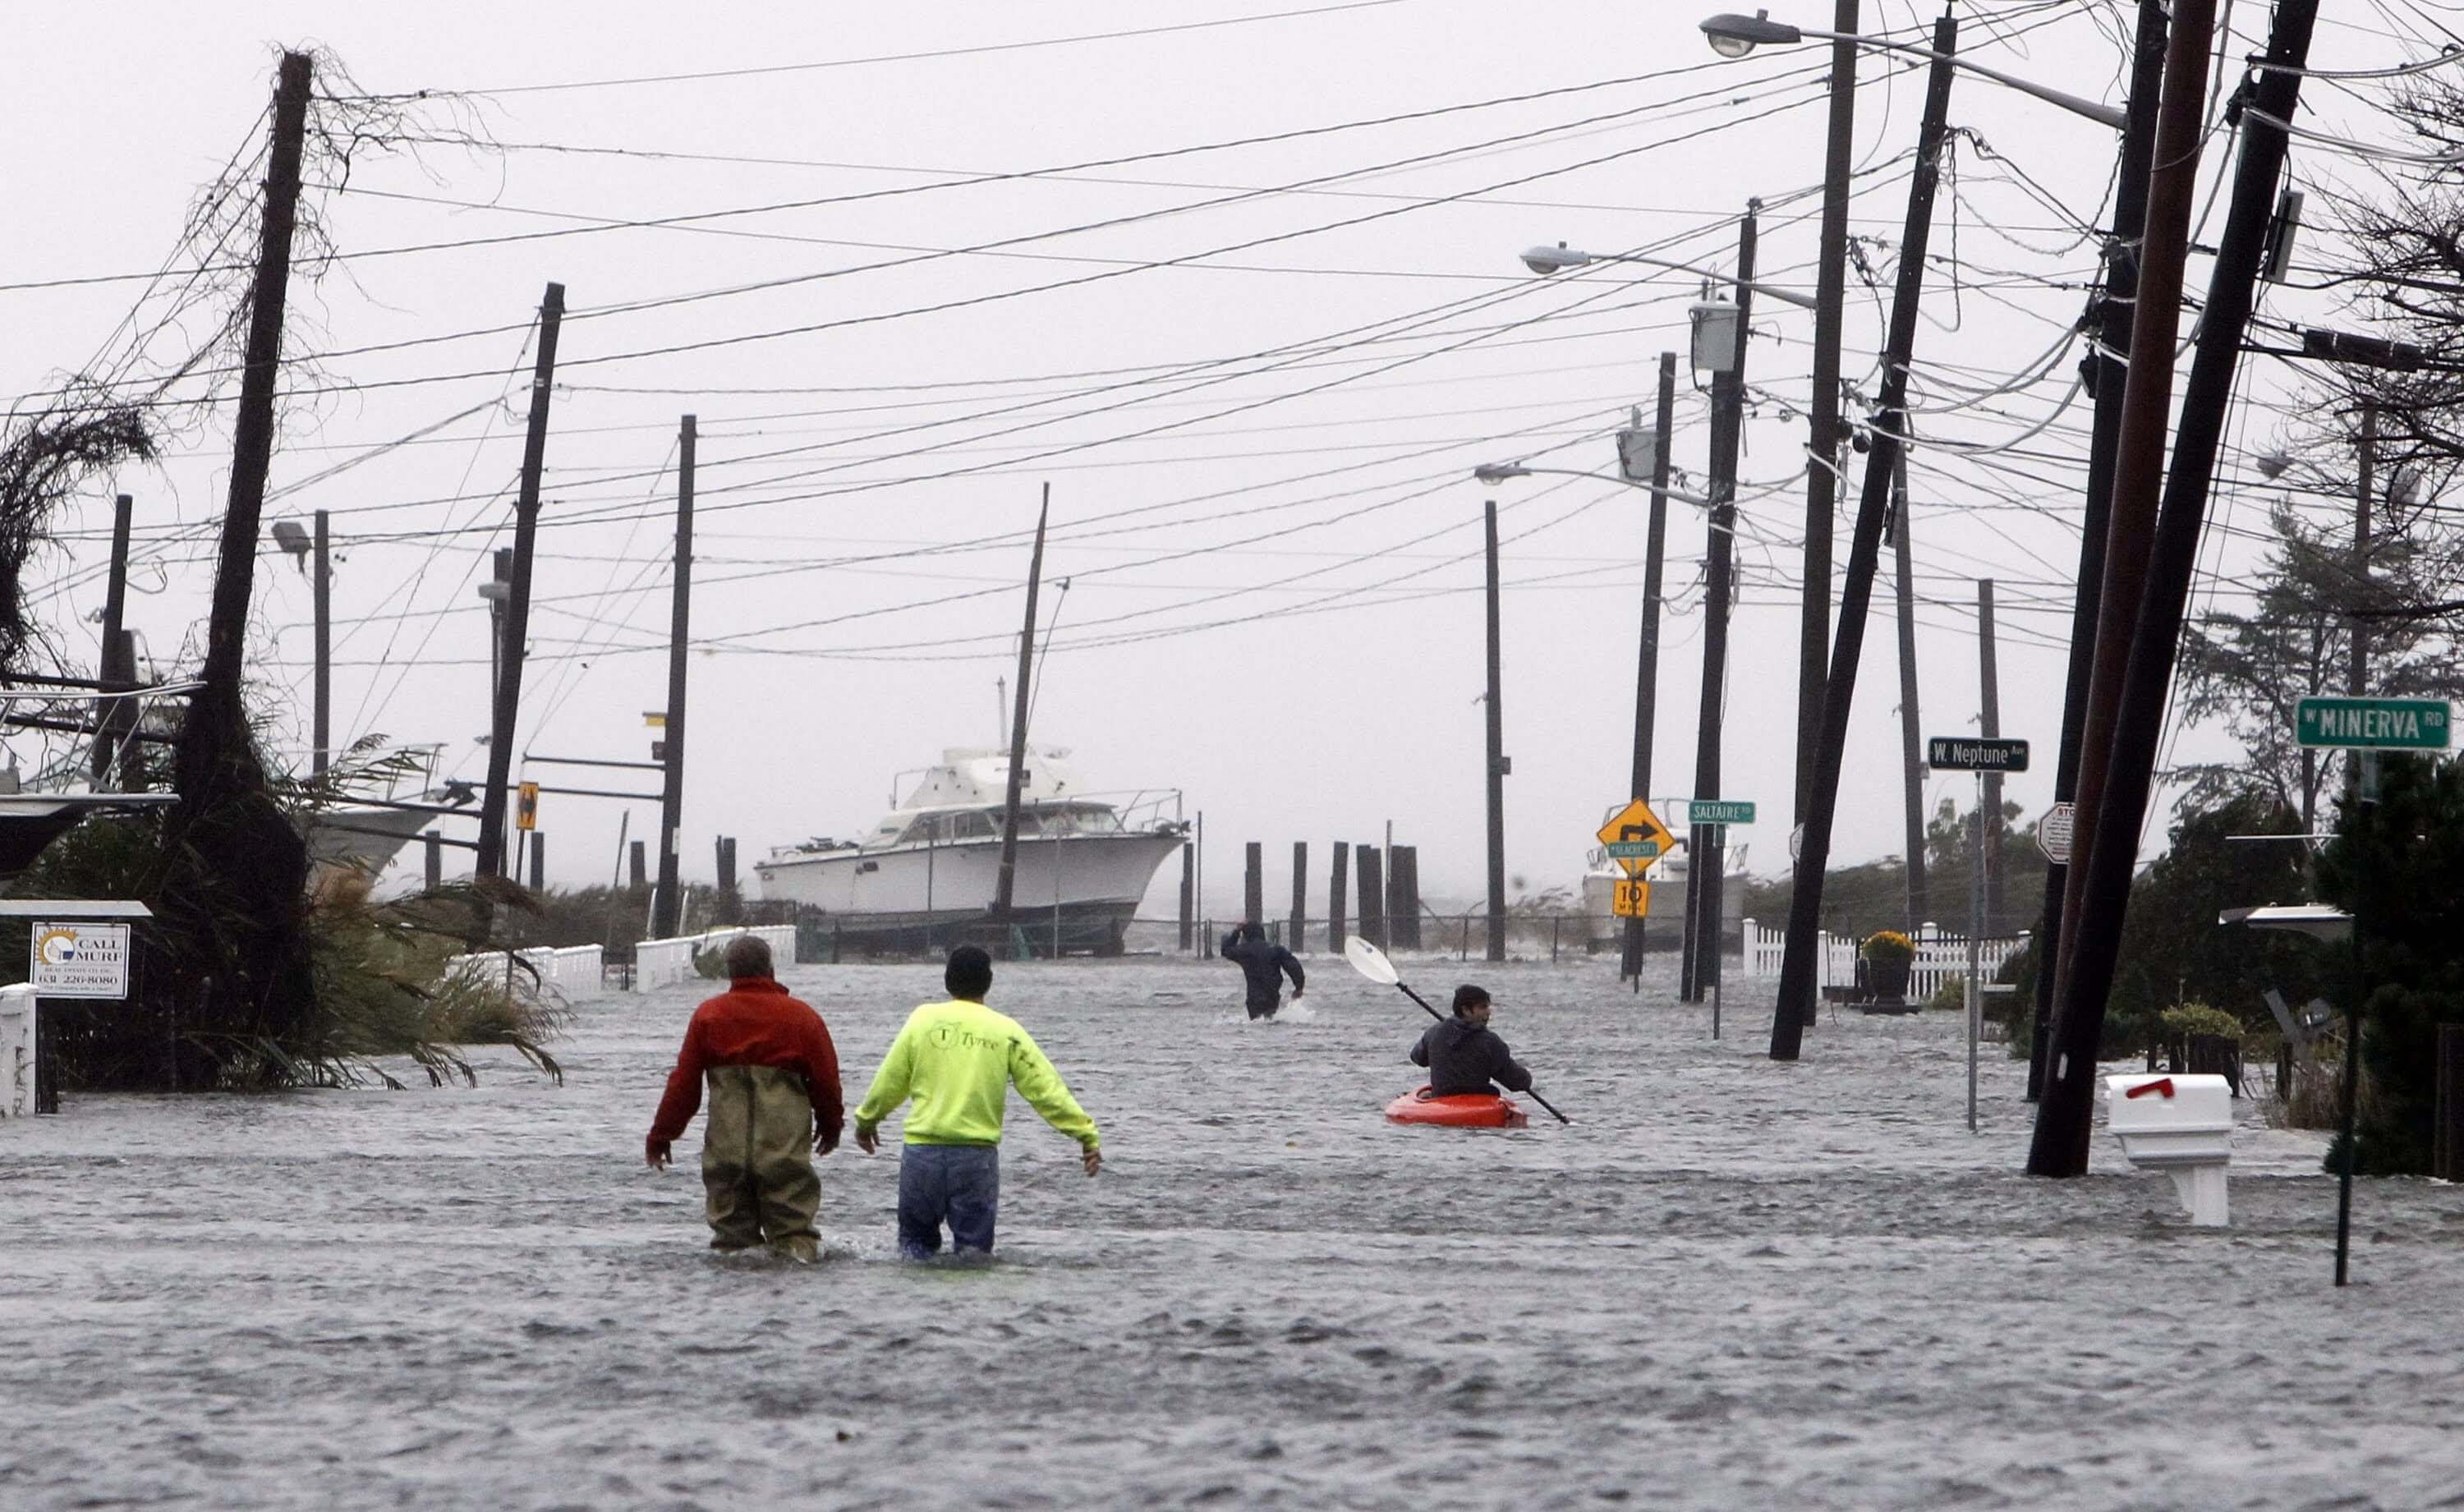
(1371, 962)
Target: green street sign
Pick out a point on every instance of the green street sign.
(2372, 724)
(1719, 811)
(1632, 849)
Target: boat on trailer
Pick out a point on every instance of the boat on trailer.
(926, 875)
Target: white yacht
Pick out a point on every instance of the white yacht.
(927, 873)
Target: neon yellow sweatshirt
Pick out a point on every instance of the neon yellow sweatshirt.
(958, 1060)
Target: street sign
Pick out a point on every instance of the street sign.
(526, 806)
(2054, 833)
(1975, 754)
(2372, 724)
(80, 960)
(1719, 811)
(1636, 837)
(656, 718)
(1632, 899)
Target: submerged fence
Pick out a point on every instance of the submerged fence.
(664, 963)
(573, 969)
(1941, 956)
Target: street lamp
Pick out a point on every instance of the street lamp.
(1500, 472)
(1545, 260)
(1733, 35)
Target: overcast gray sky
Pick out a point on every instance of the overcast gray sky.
(1256, 370)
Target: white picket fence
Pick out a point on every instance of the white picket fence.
(573, 971)
(1941, 956)
(664, 963)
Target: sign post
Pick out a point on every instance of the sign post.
(1980, 754)
(1635, 839)
(70, 953)
(2364, 726)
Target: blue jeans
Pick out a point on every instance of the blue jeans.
(958, 1184)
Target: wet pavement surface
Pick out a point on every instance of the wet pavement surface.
(1730, 1283)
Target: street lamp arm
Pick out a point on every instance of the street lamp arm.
(1501, 471)
(2103, 114)
(1551, 260)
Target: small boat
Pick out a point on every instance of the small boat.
(1461, 1111)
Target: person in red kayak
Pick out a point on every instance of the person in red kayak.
(1464, 1055)
(774, 1089)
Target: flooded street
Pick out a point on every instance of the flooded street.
(1729, 1285)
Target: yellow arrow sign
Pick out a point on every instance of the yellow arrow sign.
(1636, 837)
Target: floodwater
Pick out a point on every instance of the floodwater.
(1731, 1283)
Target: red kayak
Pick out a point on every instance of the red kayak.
(1463, 1110)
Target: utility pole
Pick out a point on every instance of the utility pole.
(1795, 1005)
(2107, 374)
(1498, 766)
(1647, 685)
(1705, 866)
(2361, 627)
(1823, 437)
(107, 720)
(2139, 449)
(517, 595)
(1989, 724)
(321, 727)
(212, 764)
(1911, 716)
(664, 913)
(2100, 881)
(2138, 480)
(1006, 887)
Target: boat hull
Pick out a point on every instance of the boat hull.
(1462, 1110)
(1080, 891)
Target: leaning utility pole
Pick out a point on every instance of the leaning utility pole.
(1822, 424)
(107, 722)
(1498, 767)
(1796, 1005)
(1646, 685)
(1989, 724)
(2138, 481)
(2101, 880)
(665, 911)
(1006, 889)
(215, 729)
(1706, 867)
(2359, 624)
(1911, 717)
(517, 595)
(2106, 374)
(321, 724)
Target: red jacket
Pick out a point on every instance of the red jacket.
(754, 1022)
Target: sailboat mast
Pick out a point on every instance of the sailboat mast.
(1006, 889)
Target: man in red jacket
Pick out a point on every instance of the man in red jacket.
(774, 1088)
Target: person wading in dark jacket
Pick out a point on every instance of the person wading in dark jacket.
(1464, 1056)
(1266, 964)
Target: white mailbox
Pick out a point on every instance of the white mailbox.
(16, 1051)
(2182, 1125)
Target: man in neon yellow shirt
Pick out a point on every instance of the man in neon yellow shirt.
(958, 1060)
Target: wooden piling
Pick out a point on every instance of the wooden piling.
(1299, 935)
(1188, 891)
(1369, 878)
(1253, 884)
(1335, 920)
